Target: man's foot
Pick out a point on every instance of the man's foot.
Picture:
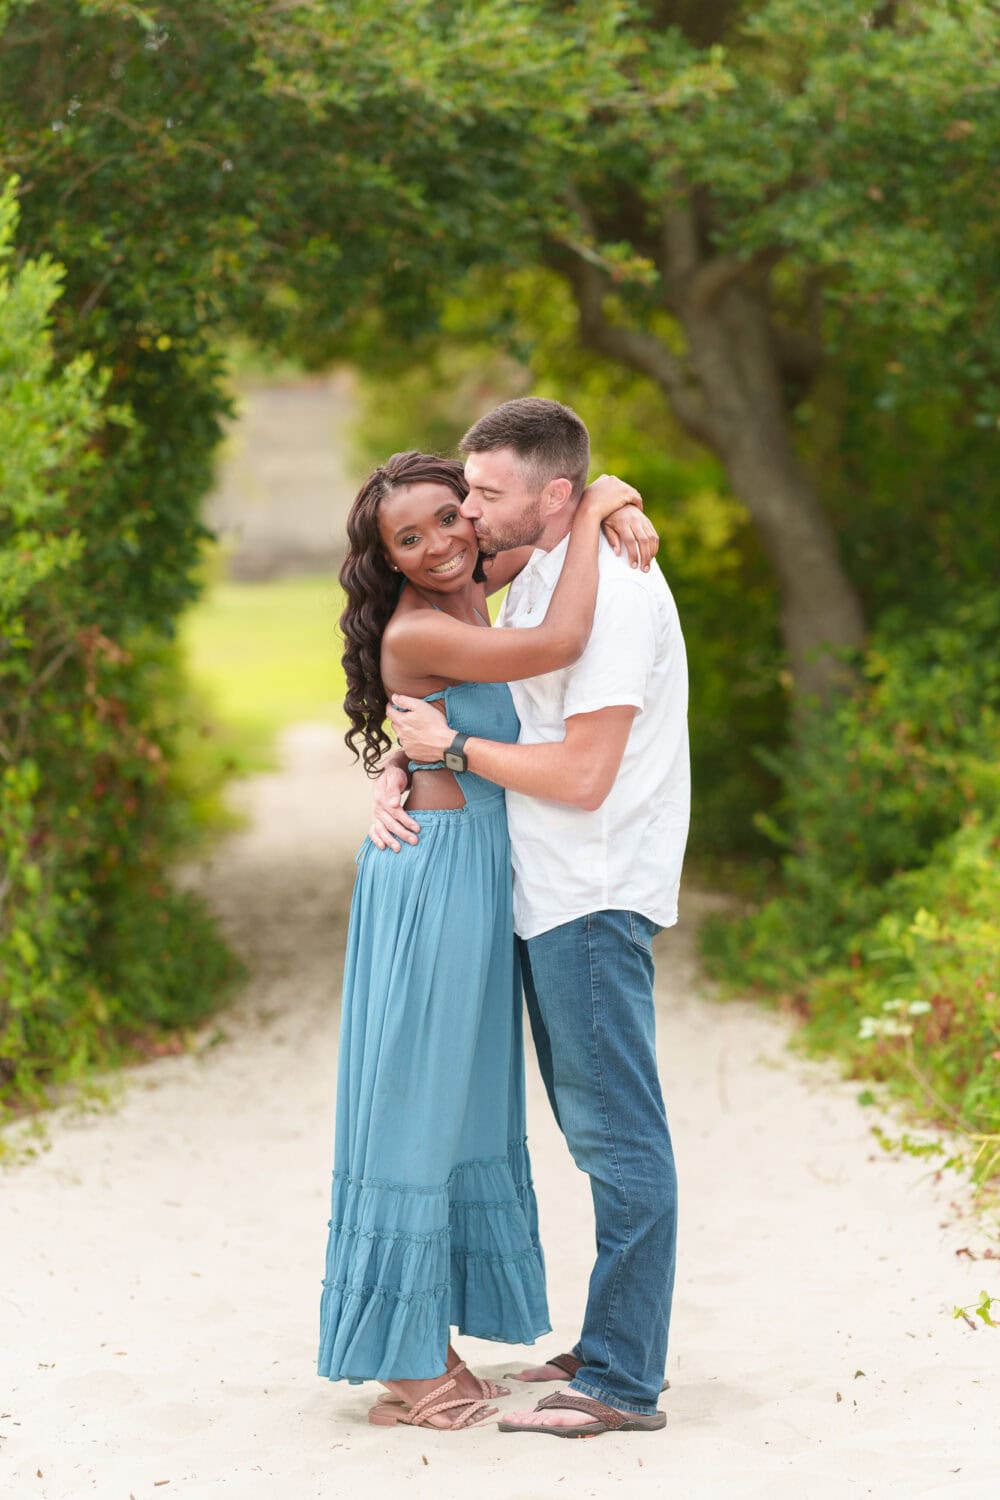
(562, 1367)
(535, 1373)
(565, 1369)
(550, 1418)
(569, 1415)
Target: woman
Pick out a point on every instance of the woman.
(434, 1220)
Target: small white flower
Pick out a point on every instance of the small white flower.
(874, 1026)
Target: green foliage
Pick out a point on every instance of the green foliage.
(872, 788)
(817, 178)
(265, 656)
(891, 835)
(292, 168)
(983, 1309)
(918, 1001)
(94, 946)
(857, 158)
(323, 178)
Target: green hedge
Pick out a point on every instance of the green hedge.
(886, 939)
(96, 948)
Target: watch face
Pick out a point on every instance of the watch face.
(453, 761)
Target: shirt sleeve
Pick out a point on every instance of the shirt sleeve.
(615, 667)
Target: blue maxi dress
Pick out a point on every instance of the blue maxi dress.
(434, 1221)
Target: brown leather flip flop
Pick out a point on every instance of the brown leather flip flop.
(570, 1365)
(605, 1418)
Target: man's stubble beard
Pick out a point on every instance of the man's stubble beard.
(524, 531)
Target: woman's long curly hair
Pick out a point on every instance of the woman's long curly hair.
(372, 588)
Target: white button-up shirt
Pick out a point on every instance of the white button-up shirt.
(627, 855)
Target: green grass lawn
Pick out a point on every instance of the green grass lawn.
(262, 656)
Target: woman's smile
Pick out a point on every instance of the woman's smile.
(452, 564)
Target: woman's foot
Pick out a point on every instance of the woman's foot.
(480, 1388)
(469, 1384)
(414, 1403)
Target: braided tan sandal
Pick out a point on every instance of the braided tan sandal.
(489, 1390)
(396, 1413)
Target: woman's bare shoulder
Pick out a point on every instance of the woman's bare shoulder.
(407, 618)
(405, 662)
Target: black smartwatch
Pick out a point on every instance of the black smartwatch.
(454, 756)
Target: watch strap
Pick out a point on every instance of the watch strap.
(454, 756)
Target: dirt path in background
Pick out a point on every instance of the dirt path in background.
(161, 1262)
(286, 475)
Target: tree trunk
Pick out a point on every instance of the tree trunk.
(734, 357)
(728, 393)
(820, 610)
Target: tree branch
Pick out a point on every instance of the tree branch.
(640, 351)
(681, 254)
(800, 356)
(715, 276)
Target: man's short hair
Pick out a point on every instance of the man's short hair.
(549, 438)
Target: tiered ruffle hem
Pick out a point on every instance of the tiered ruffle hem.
(404, 1264)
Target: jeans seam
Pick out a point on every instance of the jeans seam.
(609, 1397)
(643, 947)
(612, 1299)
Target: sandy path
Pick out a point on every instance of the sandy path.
(161, 1263)
(286, 475)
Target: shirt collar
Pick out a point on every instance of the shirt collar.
(546, 566)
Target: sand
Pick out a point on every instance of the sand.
(161, 1260)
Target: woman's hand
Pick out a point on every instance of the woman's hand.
(629, 530)
(422, 730)
(608, 494)
(392, 822)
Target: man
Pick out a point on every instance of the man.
(598, 795)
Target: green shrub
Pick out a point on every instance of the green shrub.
(95, 946)
(918, 1002)
(872, 786)
(887, 934)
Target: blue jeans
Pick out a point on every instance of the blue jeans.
(589, 989)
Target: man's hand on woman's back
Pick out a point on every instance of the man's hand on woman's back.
(392, 822)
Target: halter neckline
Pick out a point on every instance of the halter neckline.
(474, 611)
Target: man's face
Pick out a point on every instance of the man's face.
(502, 504)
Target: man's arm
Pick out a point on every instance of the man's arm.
(609, 680)
(579, 770)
